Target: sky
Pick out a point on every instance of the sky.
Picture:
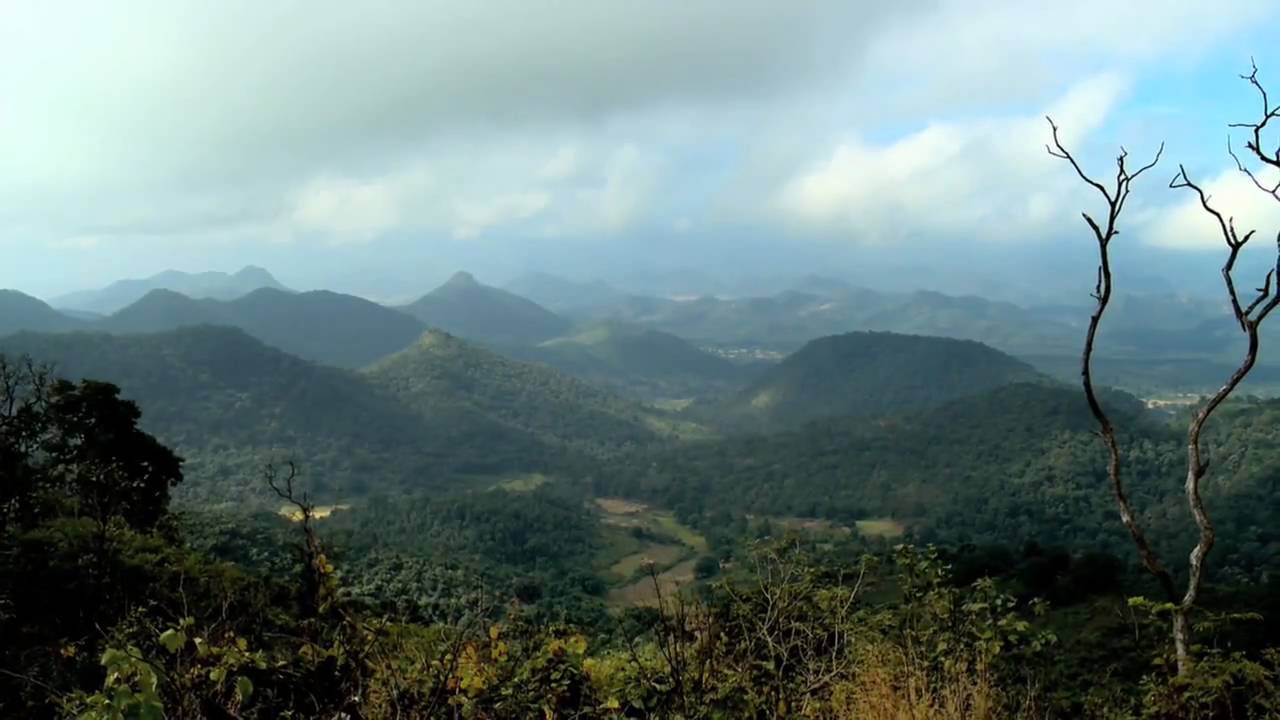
(711, 146)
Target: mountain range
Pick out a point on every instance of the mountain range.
(214, 285)
(323, 326)
(432, 415)
(659, 348)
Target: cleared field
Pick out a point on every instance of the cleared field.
(667, 524)
(619, 506)
(662, 556)
(640, 535)
(813, 525)
(523, 483)
(884, 527)
(321, 511)
(642, 593)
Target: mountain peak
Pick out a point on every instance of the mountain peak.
(462, 278)
(256, 274)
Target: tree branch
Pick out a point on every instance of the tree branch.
(1103, 234)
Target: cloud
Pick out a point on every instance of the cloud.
(982, 179)
(972, 53)
(1184, 225)
(561, 166)
(474, 217)
(185, 124)
(344, 210)
(618, 200)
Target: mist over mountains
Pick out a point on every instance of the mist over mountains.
(597, 331)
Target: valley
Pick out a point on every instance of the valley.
(633, 360)
(590, 470)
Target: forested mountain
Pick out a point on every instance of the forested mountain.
(19, 312)
(866, 374)
(228, 404)
(819, 306)
(322, 326)
(1020, 461)
(442, 374)
(161, 310)
(468, 309)
(1006, 326)
(215, 285)
(634, 359)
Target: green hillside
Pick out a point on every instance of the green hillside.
(161, 310)
(865, 374)
(20, 312)
(635, 360)
(228, 403)
(1020, 461)
(466, 308)
(442, 374)
(322, 326)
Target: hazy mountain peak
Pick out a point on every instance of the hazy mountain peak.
(462, 278)
(211, 285)
(465, 307)
(257, 274)
(21, 312)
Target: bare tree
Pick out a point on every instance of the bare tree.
(1249, 318)
(314, 597)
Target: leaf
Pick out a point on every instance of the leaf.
(218, 674)
(244, 688)
(173, 640)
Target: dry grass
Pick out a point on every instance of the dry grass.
(890, 685)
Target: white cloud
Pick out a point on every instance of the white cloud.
(174, 121)
(349, 210)
(561, 166)
(628, 180)
(970, 53)
(1184, 224)
(988, 178)
(475, 217)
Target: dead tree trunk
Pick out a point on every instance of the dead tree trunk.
(1249, 318)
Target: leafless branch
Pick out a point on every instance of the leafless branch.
(1254, 143)
(1249, 319)
(1115, 198)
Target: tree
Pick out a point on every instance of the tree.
(76, 449)
(1249, 318)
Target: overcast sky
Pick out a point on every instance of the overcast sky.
(376, 147)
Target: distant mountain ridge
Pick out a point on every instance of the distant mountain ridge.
(466, 308)
(210, 285)
(564, 296)
(20, 312)
(321, 326)
(635, 359)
